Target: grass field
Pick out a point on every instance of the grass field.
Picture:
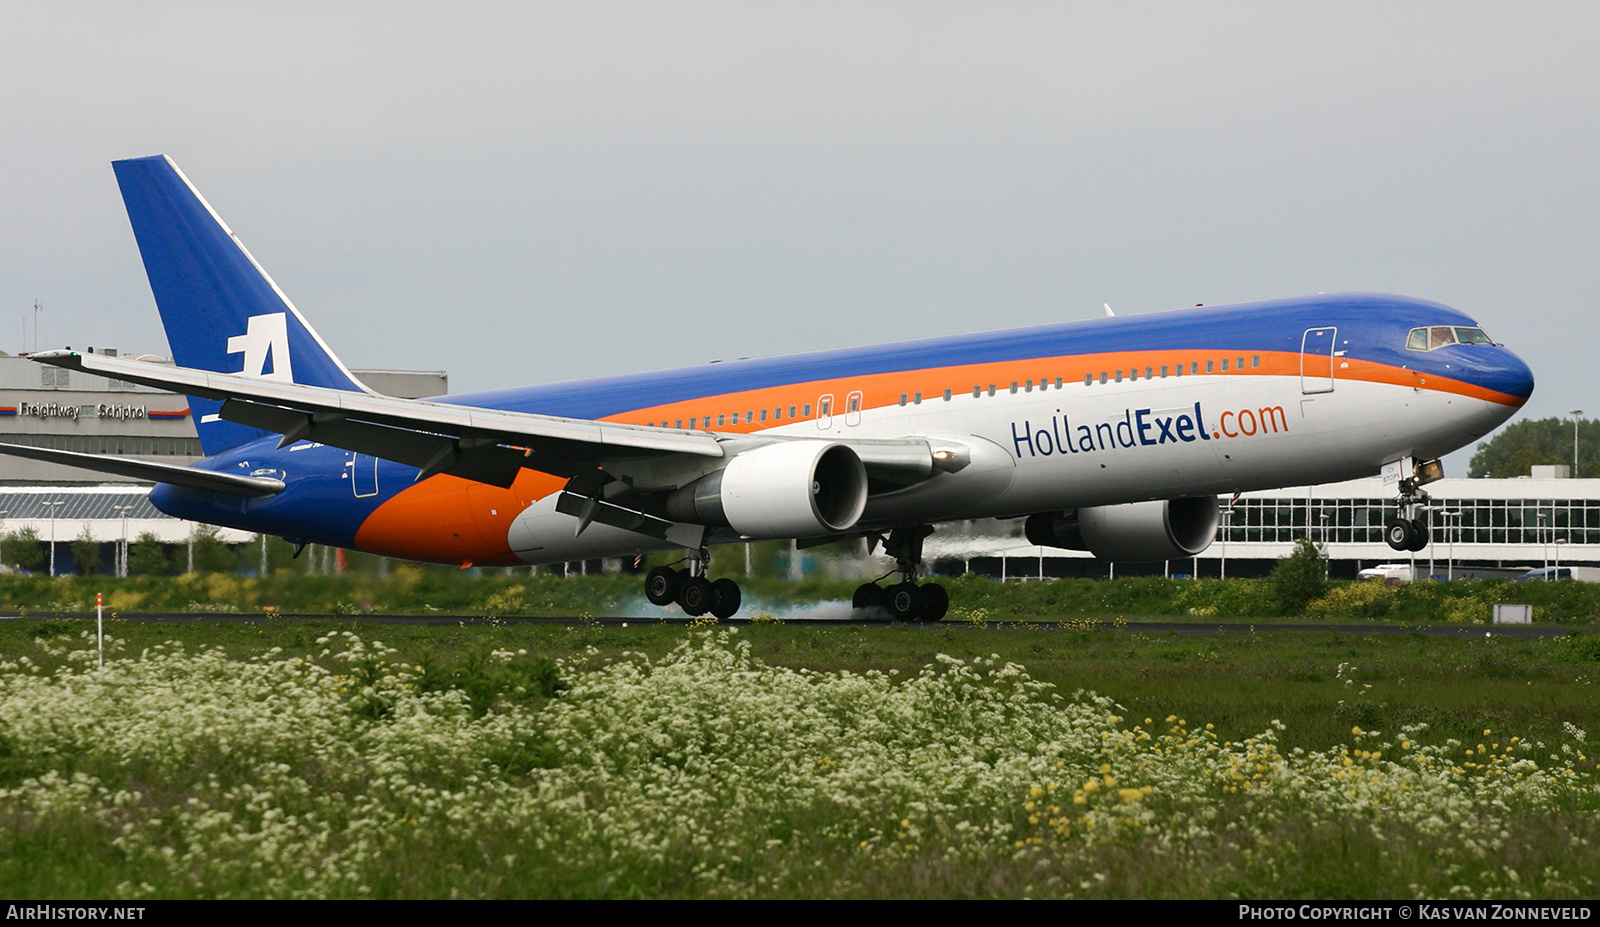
(290, 758)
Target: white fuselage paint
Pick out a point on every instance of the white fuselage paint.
(1130, 442)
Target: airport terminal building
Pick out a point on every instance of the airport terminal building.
(1480, 528)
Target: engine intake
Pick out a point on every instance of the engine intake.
(787, 490)
(1138, 532)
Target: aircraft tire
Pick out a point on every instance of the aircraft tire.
(661, 586)
(725, 598)
(1399, 533)
(694, 596)
(868, 597)
(1420, 535)
(935, 602)
(905, 601)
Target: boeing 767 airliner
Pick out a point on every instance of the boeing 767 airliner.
(1113, 435)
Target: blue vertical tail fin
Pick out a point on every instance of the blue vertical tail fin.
(220, 309)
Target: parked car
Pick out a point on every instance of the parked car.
(1550, 574)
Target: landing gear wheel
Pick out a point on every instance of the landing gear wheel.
(725, 598)
(694, 596)
(935, 602)
(1420, 535)
(868, 597)
(661, 586)
(905, 601)
(1400, 534)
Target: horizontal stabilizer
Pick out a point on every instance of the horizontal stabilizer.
(227, 484)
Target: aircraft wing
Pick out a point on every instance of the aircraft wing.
(486, 445)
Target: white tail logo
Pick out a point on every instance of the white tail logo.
(265, 336)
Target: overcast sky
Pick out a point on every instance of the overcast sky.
(529, 192)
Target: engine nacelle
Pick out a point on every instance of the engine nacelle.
(1141, 531)
(793, 489)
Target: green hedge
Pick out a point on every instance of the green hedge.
(415, 590)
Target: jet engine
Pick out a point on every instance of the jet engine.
(1141, 531)
(785, 490)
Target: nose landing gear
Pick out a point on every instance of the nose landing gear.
(906, 600)
(1408, 528)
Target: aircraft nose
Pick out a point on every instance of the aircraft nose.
(1512, 376)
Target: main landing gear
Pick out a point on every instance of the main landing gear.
(906, 600)
(691, 590)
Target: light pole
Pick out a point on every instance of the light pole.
(1222, 566)
(122, 549)
(52, 506)
(1453, 523)
(1575, 413)
(1327, 561)
(1544, 545)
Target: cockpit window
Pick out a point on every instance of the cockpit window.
(1440, 336)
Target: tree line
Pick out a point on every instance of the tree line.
(1538, 442)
